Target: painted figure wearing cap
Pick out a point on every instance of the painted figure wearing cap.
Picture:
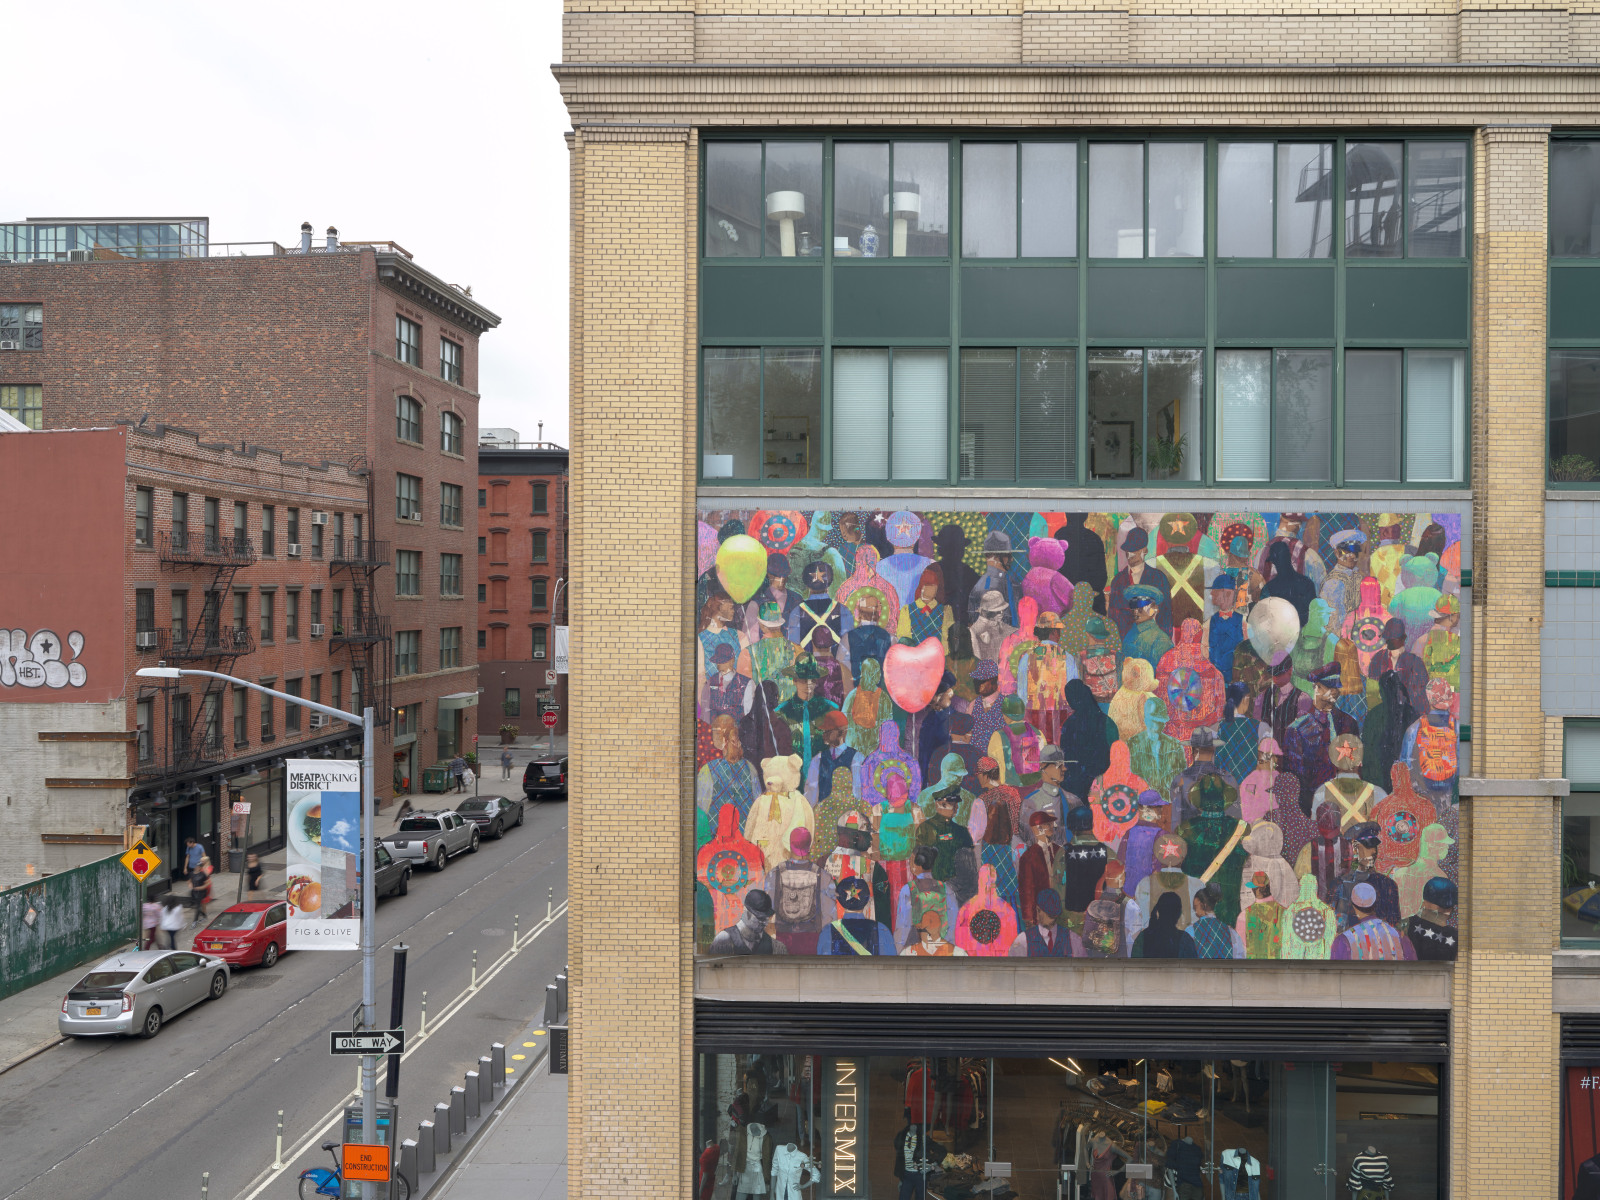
(904, 567)
(1364, 843)
(1342, 588)
(800, 890)
(729, 780)
(921, 897)
(1043, 936)
(1263, 935)
(1370, 937)
(1042, 671)
(1186, 571)
(773, 655)
(1138, 844)
(992, 625)
(957, 861)
(1202, 761)
(999, 576)
(805, 709)
(1138, 573)
(1309, 744)
(1395, 657)
(819, 610)
(1441, 650)
(776, 590)
(718, 617)
(1083, 866)
(749, 934)
(1039, 865)
(854, 933)
(1146, 638)
(726, 693)
(1224, 628)
(1349, 797)
(1432, 932)
(1048, 796)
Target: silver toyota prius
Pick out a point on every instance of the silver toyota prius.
(135, 992)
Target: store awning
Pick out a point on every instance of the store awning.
(458, 700)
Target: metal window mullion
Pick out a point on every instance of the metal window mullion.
(1339, 298)
(954, 226)
(1081, 356)
(888, 381)
(1144, 410)
(1272, 415)
(826, 366)
(1213, 187)
(1144, 233)
(1016, 426)
(1405, 380)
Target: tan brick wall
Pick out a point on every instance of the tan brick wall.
(1360, 37)
(750, 39)
(1514, 36)
(1049, 37)
(627, 37)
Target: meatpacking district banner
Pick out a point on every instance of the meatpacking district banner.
(324, 856)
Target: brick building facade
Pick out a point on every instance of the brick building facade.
(345, 353)
(522, 577)
(735, 167)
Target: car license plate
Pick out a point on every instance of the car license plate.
(92, 1012)
(213, 945)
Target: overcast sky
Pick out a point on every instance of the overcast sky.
(437, 126)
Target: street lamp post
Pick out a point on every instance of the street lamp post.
(369, 901)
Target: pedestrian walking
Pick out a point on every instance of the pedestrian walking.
(467, 778)
(192, 855)
(150, 920)
(200, 888)
(172, 919)
(253, 872)
(458, 766)
(403, 811)
(505, 762)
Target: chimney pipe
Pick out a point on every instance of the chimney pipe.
(541, 433)
(305, 237)
(333, 238)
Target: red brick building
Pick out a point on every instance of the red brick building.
(522, 576)
(347, 353)
(151, 546)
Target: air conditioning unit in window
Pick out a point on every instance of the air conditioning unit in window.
(80, 255)
(538, 653)
(319, 720)
(319, 518)
(318, 629)
(294, 549)
(144, 641)
(10, 345)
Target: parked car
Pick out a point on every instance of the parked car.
(492, 814)
(432, 837)
(247, 934)
(138, 991)
(545, 778)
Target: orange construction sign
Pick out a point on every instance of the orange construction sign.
(364, 1163)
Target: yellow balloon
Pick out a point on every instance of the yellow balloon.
(741, 566)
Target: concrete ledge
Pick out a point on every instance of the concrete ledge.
(1515, 787)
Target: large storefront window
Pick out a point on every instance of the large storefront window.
(1580, 836)
(1067, 1126)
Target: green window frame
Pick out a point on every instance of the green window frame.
(787, 445)
(1572, 364)
(1580, 831)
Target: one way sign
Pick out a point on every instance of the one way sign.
(373, 1041)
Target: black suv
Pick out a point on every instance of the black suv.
(545, 777)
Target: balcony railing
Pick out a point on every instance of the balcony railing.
(358, 552)
(361, 627)
(205, 640)
(201, 549)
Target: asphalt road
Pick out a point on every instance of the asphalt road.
(139, 1120)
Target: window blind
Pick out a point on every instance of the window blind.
(921, 414)
(988, 414)
(1049, 414)
(1582, 754)
(1435, 434)
(1302, 415)
(1372, 415)
(1244, 422)
(861, 414)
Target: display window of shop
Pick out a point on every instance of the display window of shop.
(1580, 1132)
(1580, 836)
(1066, 1126)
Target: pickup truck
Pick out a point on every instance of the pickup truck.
(432, 837)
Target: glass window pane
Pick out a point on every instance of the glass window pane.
(1372, 200)
(989, 200)
(732, 414)
(794, 199)
(1172, 450)
(919, 206)
(1244, 420)
(1049, 427)
(1116, 412)
(793, 406)
(1244, 199)
(921, 405)
(860, 183)
(1437, 181)
(1575, 416)
(1435, 420)
(860, 414)
(988, 414)
(1372, 415)
(733, 200)
(1303, 415)
(1049, 199)
(1580, 860)
(1177, 199)
(1116, 200)
(1305, 200)
(1575, 198)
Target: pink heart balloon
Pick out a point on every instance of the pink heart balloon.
(912, 673)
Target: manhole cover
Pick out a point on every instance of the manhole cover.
(492, 932)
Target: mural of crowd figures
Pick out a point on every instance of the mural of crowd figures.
(1086, 735)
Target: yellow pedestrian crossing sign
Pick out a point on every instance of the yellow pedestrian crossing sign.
(141, 861)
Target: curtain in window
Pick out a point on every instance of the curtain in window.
(988, 414)
(860, 414)
(1435, 433)
(1244, 420)
(1372, 415)
(921, 408)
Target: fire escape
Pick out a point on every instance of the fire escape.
(364, 634)
(189, 724)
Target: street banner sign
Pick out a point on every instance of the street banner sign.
(368, 1041)
(241, 808)
(550, 718)
(560, 1061)
(141, 861)
(362, 1163)
(563, 644)
(324, 854)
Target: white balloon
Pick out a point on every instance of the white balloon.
(1274, 625)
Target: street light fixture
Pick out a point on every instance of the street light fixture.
(369, 900)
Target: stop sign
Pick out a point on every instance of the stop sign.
(549, 720)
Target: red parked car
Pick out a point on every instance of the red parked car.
(246, 934)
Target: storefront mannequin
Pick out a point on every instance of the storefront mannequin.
(1369, 1177)
(753, 1149)
(1103, 1153)
(789, 1165)
(910, 1166)
(1240, 1175)
(1183, 1160)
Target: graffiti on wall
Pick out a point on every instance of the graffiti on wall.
(1101, 735)
(36, 661)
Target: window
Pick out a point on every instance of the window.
(1274, 415)
(211, 710)
(241, 609)
(316, 606)
(22, 325)
(1574, 408)
(483, 634)
(889, 414)
(338, 531)
(180, 519)
(450, 429)
(358, 689)
(294, 530)
(407, 419)
(1144, 414)
(291, 615)
(143, 505)
(541, 497)
(450, 574)
(316, 688)
(241, 526)
(25, 402)
(213, 518)
(267, 599)
(763, 199)
(291, 712)
(144, 610)
(483, 593)
(336, 688)
(450, 504)
(1574, 198)
(1436, 197)
(338, 610)
(316, 540)
(483, 497)
(1275, 200)
(1580, 836)
(408, 719)
(540, 640)
(241, 716)
(1146, 200)
(180, 616)
(266, 704)
(1019, 414)
(179, 714)
(449, 648)
(512, 704)
(541, 546)
(1405, 409)
(408, 497)
(1019, 199)
(540, 591)
(450, 368)
(406, 648)
(408, 343)
(890, 199)
(143, 714)
(407, 572)
(269, 526)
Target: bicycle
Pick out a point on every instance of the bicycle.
(323, 1182)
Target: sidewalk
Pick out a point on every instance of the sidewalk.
(522, 1153)
(523, 751)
